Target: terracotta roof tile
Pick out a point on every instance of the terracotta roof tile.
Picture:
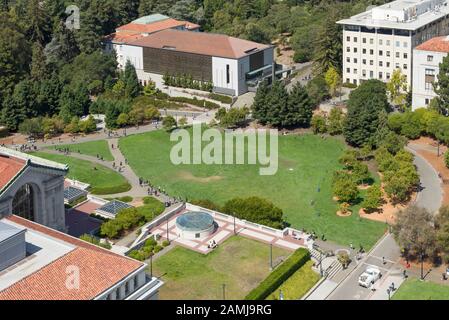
(9, 168)
(437, 44)
(99, 270)
(210, 44)
(150, 28)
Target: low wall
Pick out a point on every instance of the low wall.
(78, 184)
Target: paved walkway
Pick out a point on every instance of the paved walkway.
(430, 195)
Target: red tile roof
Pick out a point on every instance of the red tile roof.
(122, 38)
(216, 45)
(437, 44)
(99, 269)
(151, 27)
(9, 168)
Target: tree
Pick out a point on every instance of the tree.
(256, 210)
(318, 124)
(360, 172)
(345, 189)
(446, 158)
(31, 127)
(333, 80)
(38, 21)
(414, 231)
(299, 108)
(169, 123)
(328, 53)
(373, 199)
(336, 121)
(132, 85)
(38, 65)
(182, 122)
(397, 88)
(260, 107)
(74, 102)
(364, 109)
(441, 86)
(150, 89)
(318, 90)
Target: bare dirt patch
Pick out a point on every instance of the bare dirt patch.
(186, 175)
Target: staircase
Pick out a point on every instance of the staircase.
(333, 269)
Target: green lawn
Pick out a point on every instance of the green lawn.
(239, 263)
(306, 162)
(298, 284)
(151, 208)
(414, 289)
(92, 148)
(102, 180)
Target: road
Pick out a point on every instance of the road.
(349, 289)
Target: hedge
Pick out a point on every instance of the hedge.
(196, 102)
(279, 275)
(221, 98)
(111, 190)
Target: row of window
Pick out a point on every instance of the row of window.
(381, 63)
(381, 42)
(381, 53)
(371, 74)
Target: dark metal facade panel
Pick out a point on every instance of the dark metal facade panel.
(163, 61)
(256, 61)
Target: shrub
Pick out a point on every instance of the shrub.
(150, 243)
(221, 98)
(346, 189)
(349, 85)
(157, 249)
(165, 243)
(373, 199)
(279, 275)
(206, 203)
(318, 124)
(203, 103)
(256, 210)
(91, 239)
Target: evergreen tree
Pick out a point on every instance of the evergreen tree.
(39, 26)
(74, 102)
(299, 108)
(132, 85)
(4, 5)
(38, 66)
(259, 107)
(277, 103)
(364, 107)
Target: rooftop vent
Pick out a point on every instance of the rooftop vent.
(12, 245)
(169, 47)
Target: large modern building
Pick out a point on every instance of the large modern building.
(381, 39)
(142, 27)
(225, 61)
(39, 263)
(426, 60)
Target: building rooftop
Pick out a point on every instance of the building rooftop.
(7, 231)
(209, 44)
(10, 167)
(437, 44)
(113, 207)
(151, 18)
(151, 27)
(42, 275)
(401, 14)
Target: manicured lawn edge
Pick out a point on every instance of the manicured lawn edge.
(279, 275)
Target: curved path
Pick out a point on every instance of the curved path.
(430, 195)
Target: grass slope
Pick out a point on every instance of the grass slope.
(306, 165)
(102, 180)
(239, 263)
(298, 284)
(91, 148)
(414, 289)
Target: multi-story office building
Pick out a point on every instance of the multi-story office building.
(426, 60)
(381, 39)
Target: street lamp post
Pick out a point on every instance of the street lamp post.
(151, 266)
(422, 265)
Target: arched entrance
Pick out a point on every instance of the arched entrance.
(23, 202)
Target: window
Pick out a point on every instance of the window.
(397, 66)
(427, 101)
(228, 76)
(405, 66)
(388, 53)
(405, 44)
(355, 71)
(364, 61)
(429, 58)
(380, 75)
(348, 49)
(355, 50)
(364, 51)
(348, 70)
(380, 64)
(371, 62)
(429, 79)
(364, 73)
(381, 53)
(355, 39)
(380, 41)
(405, 56)
(388, 42)
(363, 40)
(398, 44)
(371, 74)
(371, 41)
(397, 54)
(355, 60)
(347, 80)
(371, 52)
(388, 64)
(354, 82)
(348, 39)
(348, 59)
(388, 76)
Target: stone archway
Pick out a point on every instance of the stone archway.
(24, 202)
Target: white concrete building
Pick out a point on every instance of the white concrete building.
(426, 60)
(229, 63)
(381, 39)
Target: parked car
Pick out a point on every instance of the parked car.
(369, 277)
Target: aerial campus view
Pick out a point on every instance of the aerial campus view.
(224, 150)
